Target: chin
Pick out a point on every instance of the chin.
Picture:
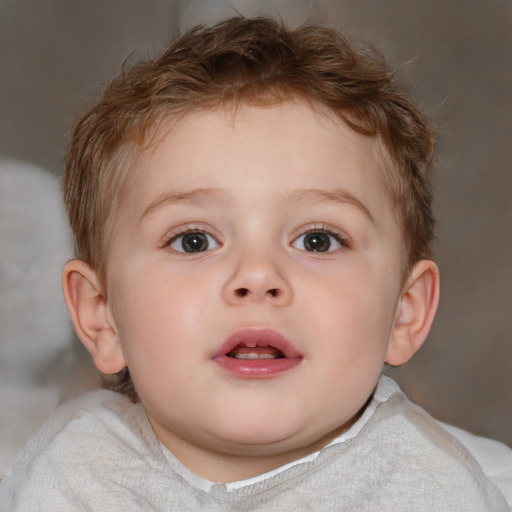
(255, 434)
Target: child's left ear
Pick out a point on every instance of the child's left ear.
(415, 312)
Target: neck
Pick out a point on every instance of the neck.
(234, 463)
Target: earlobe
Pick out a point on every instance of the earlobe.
(91, 316)
(415, 312)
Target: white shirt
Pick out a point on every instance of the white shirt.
(494, 457)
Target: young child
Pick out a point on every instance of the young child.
(253, 228)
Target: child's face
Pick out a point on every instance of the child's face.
(271, 228)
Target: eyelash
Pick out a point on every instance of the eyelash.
(182, 231)
(190, 229)
(336, 235)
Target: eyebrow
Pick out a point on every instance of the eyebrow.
(319, 196)
(195, 196)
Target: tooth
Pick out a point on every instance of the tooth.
(254, 356)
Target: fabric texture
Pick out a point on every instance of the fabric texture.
(100, 454)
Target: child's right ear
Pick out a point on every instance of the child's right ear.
(91, 316)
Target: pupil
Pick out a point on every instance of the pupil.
(317, 242)
(195, 242)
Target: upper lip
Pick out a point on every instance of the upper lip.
(257, 336)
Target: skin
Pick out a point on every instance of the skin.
(255, 183)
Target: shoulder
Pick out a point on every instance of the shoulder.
(408, 433)
(82, 452)
(494, 457)
(99, 415)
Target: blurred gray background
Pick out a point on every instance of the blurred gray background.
(56, 55)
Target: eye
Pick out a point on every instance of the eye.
(319, 241)
(193, 241)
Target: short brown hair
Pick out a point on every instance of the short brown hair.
(257, 61)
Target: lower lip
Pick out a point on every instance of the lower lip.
(256, 368)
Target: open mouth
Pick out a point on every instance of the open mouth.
(265, 352)
(257, 353)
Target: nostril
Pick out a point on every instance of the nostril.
(241, 292)
(245, 292)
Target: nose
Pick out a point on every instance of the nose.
(257, 278)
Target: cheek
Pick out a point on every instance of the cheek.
(158, 313)
(352, 312)
(153, 340)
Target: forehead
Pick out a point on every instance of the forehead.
(275, 150)
(292, 130)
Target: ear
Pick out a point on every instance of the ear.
(415, 312)
(91, 316)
